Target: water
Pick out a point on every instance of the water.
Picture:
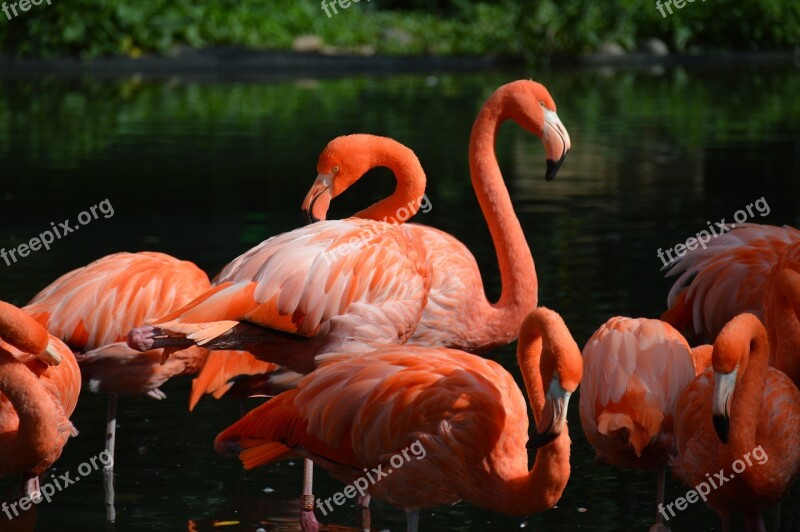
(205, 170)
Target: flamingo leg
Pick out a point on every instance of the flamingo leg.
(412, 521)
(108, 470)
(32, 489)
(365, 518)
(660, 495)
(776, 525)
(308, 522)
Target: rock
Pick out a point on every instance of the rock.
(365, 50)
(612, 49)
(307, 43)
(397, 35)
(654, 46)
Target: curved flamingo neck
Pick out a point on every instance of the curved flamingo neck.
(750, 381)
(539, 489)
(37, 433)
(22, 331)
(517, 271)
(406, 199)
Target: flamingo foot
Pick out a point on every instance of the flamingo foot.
(157, 394)
(148, 338)
(308, 521)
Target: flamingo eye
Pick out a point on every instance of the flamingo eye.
(335, 169)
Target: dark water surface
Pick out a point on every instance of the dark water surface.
(206, 170)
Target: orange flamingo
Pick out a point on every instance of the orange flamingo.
(725, 279)
(457, 313)
(634, 371)
(782, 312)
(740, 418)
(36, 400)
(467, 414)
(92, 309)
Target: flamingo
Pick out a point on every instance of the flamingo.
(465, 413)
(457, 313)
(782, 312)
(92, 309)
(326, 288)
(634, 371)
(724, 279)
(36, 400)
(740, 418)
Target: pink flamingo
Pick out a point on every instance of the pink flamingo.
(462, 416)
(634, 371)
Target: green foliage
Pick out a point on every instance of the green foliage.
(89, 28)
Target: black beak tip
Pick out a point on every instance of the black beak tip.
(309, 217)
(541, 440)
(721, 427)
(553, 166)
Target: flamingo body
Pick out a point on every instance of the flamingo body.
(36, 400)
(726, 278)
(466, 412)
(634, 371)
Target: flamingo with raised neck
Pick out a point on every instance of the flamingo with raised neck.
(458, 313)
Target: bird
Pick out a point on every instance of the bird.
(634, 371)
(740, 419)
(724, 278)
(92, 308)
(457, 313)
(463, 412)
(782, 312)
(36, 399)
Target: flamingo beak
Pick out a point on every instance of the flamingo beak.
(724, 385)
(554, 416)
(556, 143)
(318, 199)
(50, 355)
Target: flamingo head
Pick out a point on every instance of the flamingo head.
(343, 161)
(561, 367)
(530, 105)
(742, 335)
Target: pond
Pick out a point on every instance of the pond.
(205, 169)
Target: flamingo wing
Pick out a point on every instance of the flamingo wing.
(356, 412)
(99, 303)
(346, 279)
(724, 279)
